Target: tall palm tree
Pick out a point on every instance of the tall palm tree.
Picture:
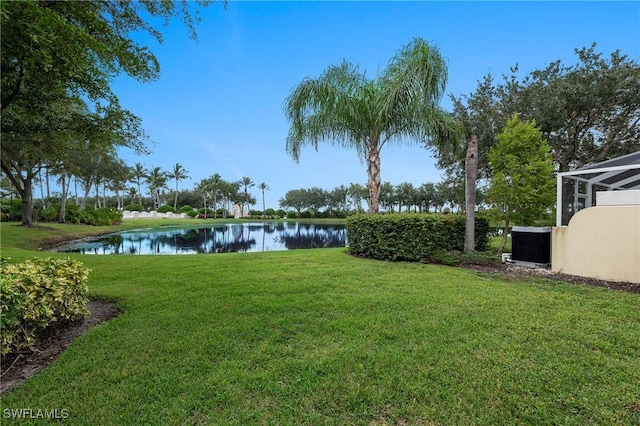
(139, 172)
(263, 187)
(156, 180)
(247, 183)
(203, 188)
(179, 173)
(345, 108)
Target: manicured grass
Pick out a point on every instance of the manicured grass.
(320, 337)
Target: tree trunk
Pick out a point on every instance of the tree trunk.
(505, 235)
(26, 193)
(46, 174)
(139, 193)
(175, 200)
(63, 198)
(373, 171)
(471, 173)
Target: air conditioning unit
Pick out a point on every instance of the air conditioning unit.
(531, 246)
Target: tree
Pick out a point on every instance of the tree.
(587, 112)
(263, 187)
(357, 192)
(246, 183)
(471, 173)
(203, 188)
(296, 199)
(55, 53)
(521, 188)
(138, 172)
(156, 180)
(345, 108)
(426, 196)
(405, 195)
(179, 173)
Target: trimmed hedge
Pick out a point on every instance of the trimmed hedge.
(36, 294)
(410, 237)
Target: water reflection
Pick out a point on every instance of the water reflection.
(240, 237)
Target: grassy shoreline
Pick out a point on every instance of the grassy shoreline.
(318, 336)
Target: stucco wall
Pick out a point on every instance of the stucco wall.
(600, 242)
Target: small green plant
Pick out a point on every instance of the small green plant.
(186, 209)
(36, 294)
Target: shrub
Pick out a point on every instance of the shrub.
(192, 213)
(281, 213)
(270, 212)
(410, 237)
(36, 294)
(292, 215)
(255, 213)
(102, 216)
(187, 209)
(11, 210)
(166, 209)
(133, 208)
(305, 215)
(210, 212)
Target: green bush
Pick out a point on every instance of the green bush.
(36, 294)
(255, 213)
(102, 216)
(281, 213)
(11, 210)
(192, 213)
(292, 215)
(166, 209)
(210, 212)
(410, 237)
(187, 209)
(133, 208)
(270, 212)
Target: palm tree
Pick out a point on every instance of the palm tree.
(156, 180)
(203, 188)
(263, 187)
(179, 173)
(139, 172)
(247, 183)
(345, 108)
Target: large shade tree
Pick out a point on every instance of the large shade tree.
(587, 112)
(345, 108)
(54, 53)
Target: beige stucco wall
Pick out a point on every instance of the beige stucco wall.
(600, 242)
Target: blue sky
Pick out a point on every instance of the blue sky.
(218, 105)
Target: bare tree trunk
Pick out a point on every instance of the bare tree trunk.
(44, 201)
(46, 174)
(96, 202)
(373, 171)
(505, 235)
(63, 198)
(26, 193)
(471, 173)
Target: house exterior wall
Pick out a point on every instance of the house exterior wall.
(600, 242)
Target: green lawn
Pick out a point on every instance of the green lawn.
(320, 337)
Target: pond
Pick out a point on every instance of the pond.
(223, 238)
